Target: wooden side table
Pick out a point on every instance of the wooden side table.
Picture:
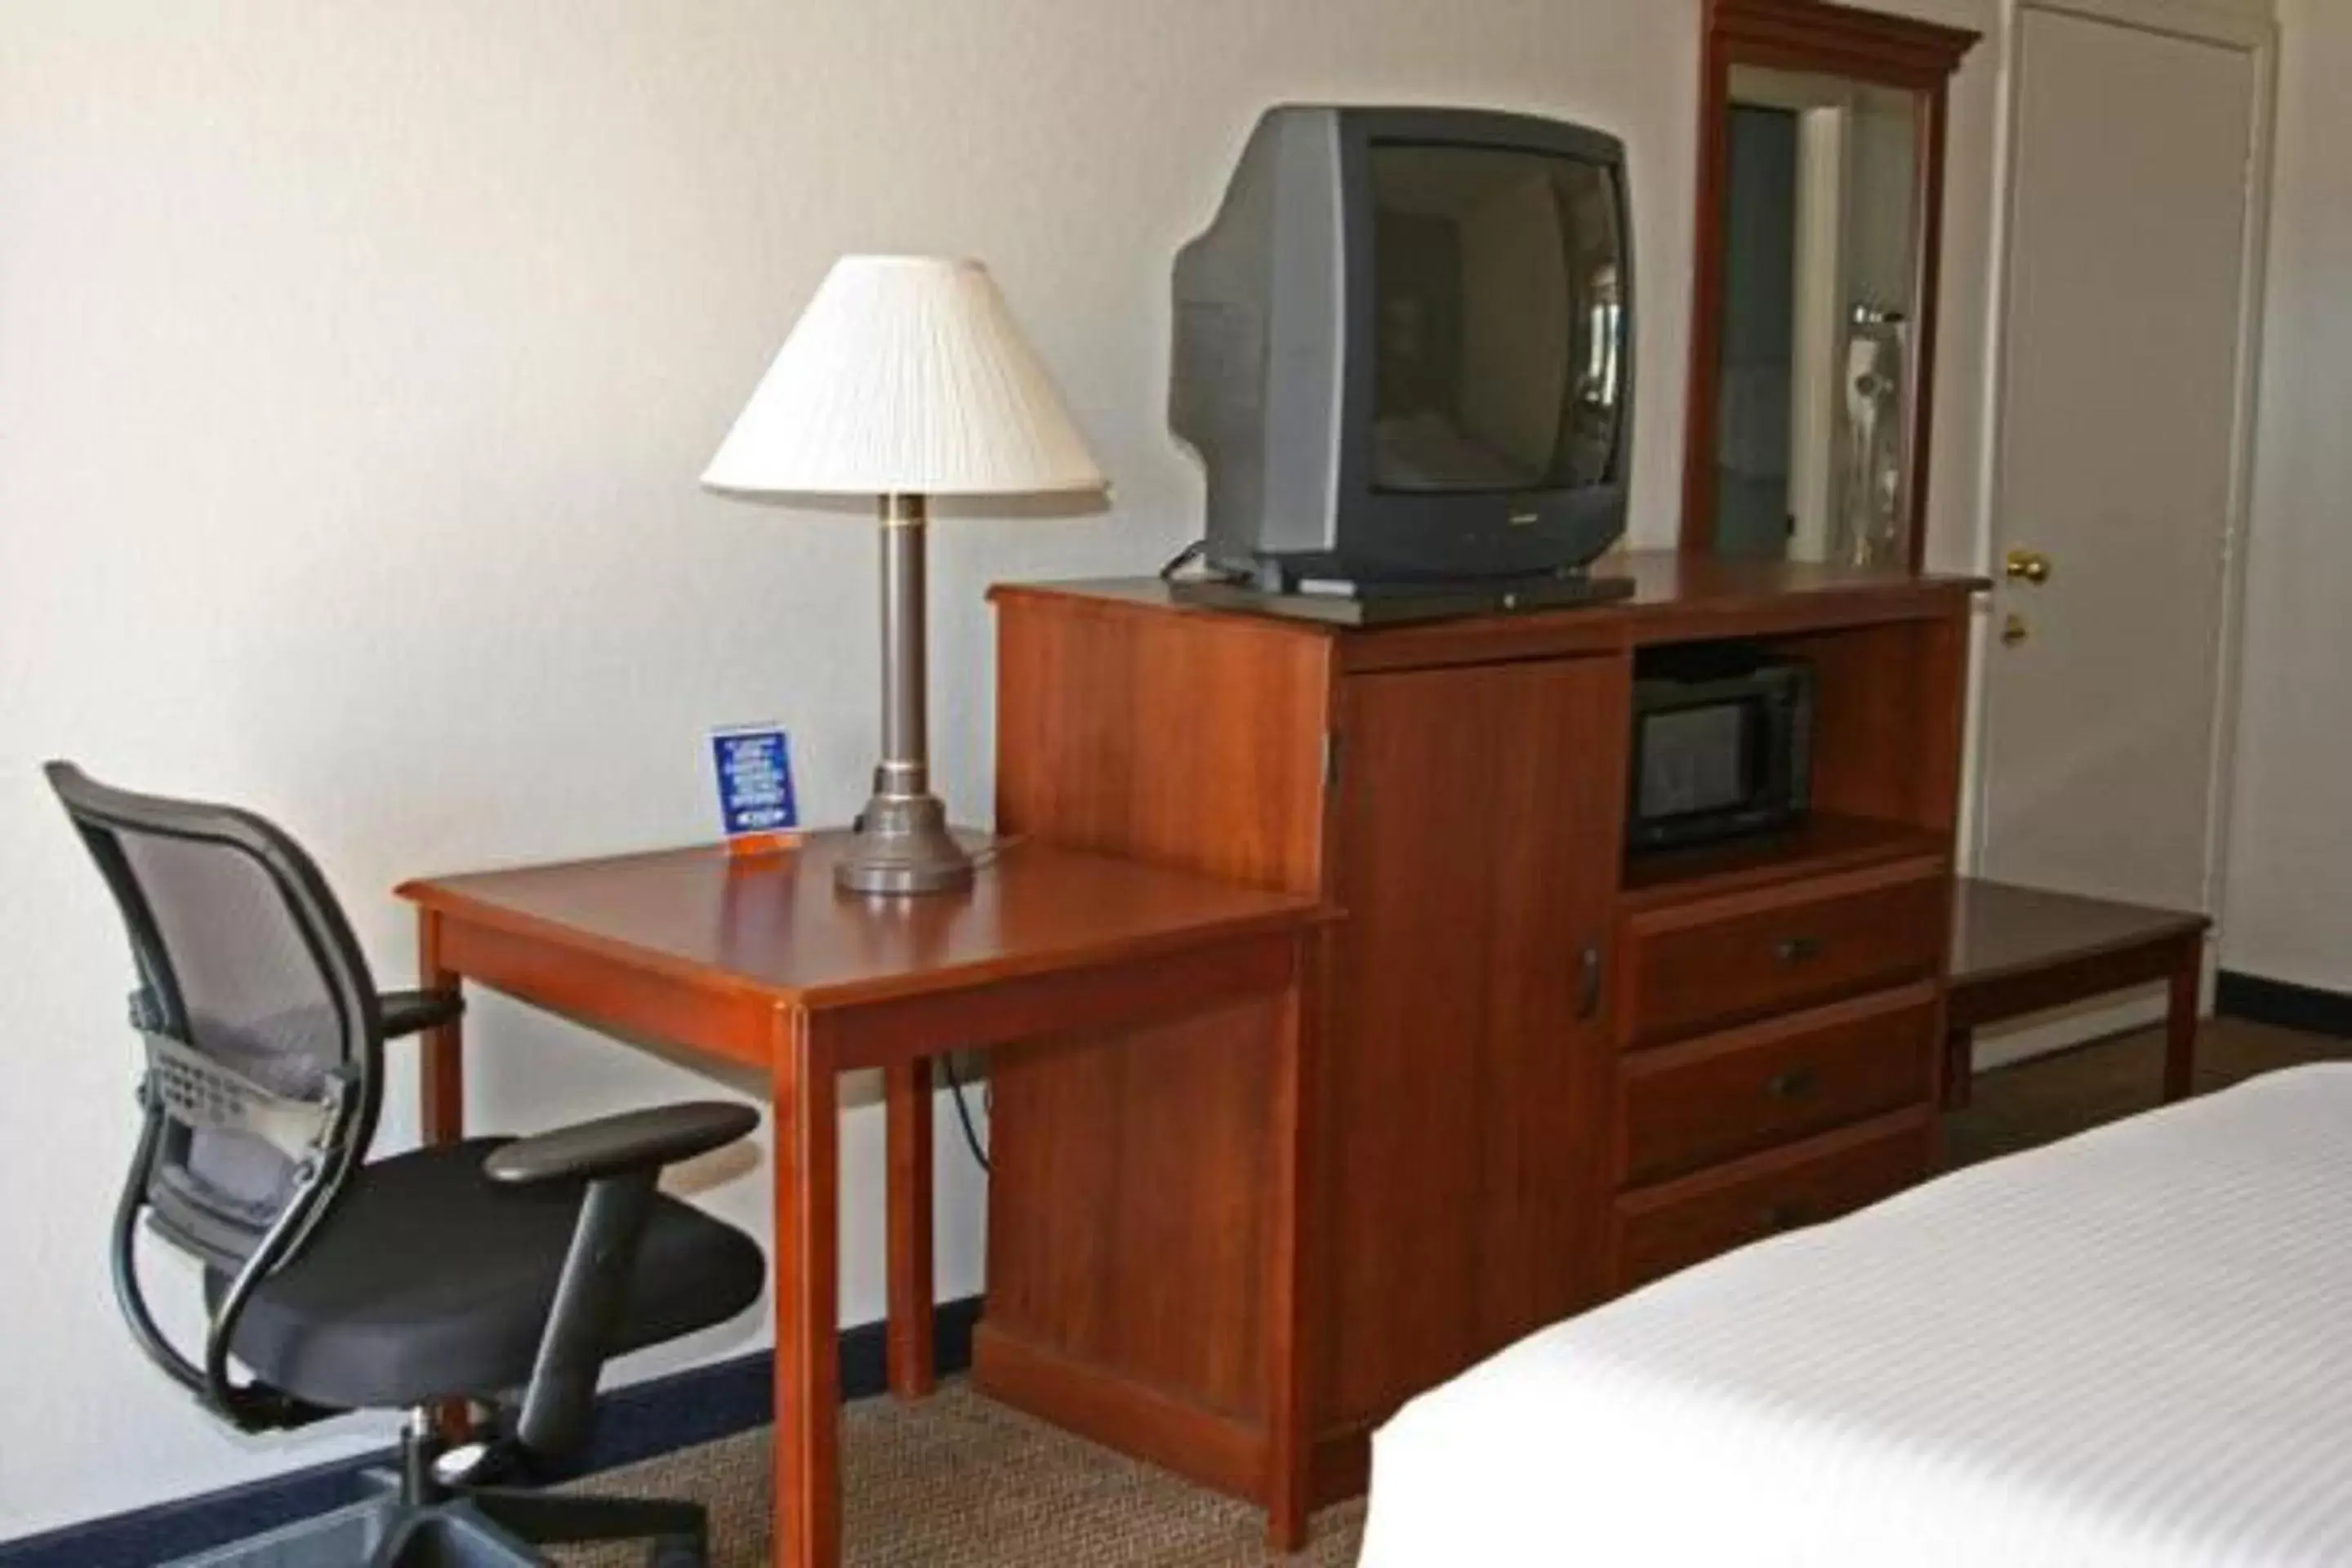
(762, 962)
(2018, 949)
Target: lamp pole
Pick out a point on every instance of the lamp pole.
(903, 844)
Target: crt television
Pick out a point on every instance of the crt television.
(1403, 350)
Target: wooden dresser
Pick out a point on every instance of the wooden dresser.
(1539, 1074)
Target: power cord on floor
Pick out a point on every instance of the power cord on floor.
(963, 1113)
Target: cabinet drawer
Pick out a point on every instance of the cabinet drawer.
(1662, 1229)
(1684, 1107)
(1710, 966)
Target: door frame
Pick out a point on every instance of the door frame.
(2251, 29)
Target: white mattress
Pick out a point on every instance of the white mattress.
(2134, 1347)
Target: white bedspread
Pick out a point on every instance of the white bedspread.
(2131, 1348)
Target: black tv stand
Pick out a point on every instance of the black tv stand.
(1388, 604)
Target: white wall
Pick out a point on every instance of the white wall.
(2288, 914)
(356, 365)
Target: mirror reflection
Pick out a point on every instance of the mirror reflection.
(1821, 267)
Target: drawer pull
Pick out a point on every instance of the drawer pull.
(1797, 950)
(1777, 1217)
(1588, 983)
(1794, 1084)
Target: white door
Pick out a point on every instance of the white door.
(2131, 266)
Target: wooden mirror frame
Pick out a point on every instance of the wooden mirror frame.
(1812, 36)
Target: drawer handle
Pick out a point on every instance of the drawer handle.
(1777, 1217)
(1588, 983)
(1797, 950)
(1794, 1084)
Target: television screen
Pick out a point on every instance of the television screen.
(1498, 319)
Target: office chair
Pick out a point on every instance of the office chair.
(498, 1271)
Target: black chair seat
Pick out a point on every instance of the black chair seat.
(429, 1281)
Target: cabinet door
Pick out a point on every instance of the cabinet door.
(1475, 830)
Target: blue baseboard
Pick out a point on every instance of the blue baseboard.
(2283, 1005)
(661, 1416)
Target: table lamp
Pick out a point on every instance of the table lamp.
(905, 377)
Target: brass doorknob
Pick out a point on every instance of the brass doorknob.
(2013, 630)
(2027, 566)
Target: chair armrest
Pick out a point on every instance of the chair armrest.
(617, 1157)
(633, 1141)
(414, 1012)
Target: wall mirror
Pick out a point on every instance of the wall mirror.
(1821, 194)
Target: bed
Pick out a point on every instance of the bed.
(2132, 1347)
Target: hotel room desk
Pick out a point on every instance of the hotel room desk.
(759, 960)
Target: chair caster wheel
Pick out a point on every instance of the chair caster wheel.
(679, 1552)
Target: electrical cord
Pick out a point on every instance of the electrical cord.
(1198, 551)
(963, 1113)
(980, 857)
(1183, 558)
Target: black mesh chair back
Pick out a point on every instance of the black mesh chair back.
(263, 1035)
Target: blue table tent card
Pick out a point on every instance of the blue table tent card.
(754, 768)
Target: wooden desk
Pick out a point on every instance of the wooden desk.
(760, 962)
(2018, 949)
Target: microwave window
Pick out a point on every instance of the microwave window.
(1695, 760)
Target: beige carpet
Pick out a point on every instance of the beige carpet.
(957, 1479)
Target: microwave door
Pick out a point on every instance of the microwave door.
(1699, 761)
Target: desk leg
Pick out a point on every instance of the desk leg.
(2180, 1020)
(808, 1305)
(1287, 1439)
(907, 1088)
(441, 1104)
(441, 1062)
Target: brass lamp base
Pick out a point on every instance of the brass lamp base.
(903, 846)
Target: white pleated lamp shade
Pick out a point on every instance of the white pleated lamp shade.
(905, 375)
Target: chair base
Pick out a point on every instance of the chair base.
(422, 1524)
(501, 1529)
(334, 1540)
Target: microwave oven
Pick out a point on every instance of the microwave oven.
(1723, 738)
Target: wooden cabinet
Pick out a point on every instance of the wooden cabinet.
(1538, 1073)
(1475, 841)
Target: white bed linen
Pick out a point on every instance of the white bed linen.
(2134, 1348)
